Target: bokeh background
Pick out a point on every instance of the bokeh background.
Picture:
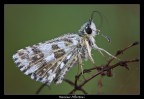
(26, 24)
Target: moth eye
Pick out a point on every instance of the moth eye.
(88, 30)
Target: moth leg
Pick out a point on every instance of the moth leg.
(102, 54)
(101, 49)
(89, 52)
(78, 69)
(80, 62)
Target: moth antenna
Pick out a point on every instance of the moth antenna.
(101, 17)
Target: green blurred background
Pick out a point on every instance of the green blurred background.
(26, 24)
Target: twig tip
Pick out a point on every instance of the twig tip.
(135, 43)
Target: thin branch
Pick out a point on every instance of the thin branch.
(70, 82)
(72, 91)
(122, 51)
(84, 91)
(41, 87)
(121, 63)
(104, 68)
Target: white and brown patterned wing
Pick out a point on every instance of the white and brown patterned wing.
(42, 61)
(68, 63)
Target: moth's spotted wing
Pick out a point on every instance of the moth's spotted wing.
(50, 60)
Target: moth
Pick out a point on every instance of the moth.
(49, 61)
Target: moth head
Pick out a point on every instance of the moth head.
(89, 28)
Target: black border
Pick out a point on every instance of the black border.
(67, 2)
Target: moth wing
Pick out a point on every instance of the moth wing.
(41, 61)
(68, 63)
